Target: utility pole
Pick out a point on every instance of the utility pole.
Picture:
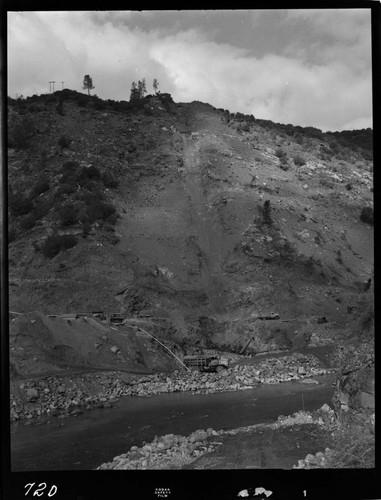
(50, 83)
(62, 85)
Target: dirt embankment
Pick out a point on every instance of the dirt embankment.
(40, 344)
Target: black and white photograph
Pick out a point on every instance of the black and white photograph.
(190, 242)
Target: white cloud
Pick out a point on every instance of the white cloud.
(329, 91)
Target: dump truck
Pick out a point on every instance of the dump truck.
(206, 363)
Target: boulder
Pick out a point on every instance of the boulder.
(199, 435)
(326, 408)
(32, 394)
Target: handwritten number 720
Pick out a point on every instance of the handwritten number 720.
(39, 491)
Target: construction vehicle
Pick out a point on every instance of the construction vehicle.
(206, 363)
(116, 318)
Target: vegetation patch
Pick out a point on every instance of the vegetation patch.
(19, 204)
(28, 221)
(64, 141)
(68, 214)
(266, 213)
(299, 160)
(57, 243)
(367, 215)
(41, 187)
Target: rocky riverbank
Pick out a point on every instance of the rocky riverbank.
(166, 452)
(176, 452)
(62, 396)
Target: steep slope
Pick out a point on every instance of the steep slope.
(221, 219)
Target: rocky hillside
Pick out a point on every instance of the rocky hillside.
(199, 221)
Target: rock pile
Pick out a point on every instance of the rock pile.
(317, 461)
(325, 416)
(64, 396)
(166, 452)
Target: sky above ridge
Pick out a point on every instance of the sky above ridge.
(305, 67)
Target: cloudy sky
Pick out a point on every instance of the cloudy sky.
(305, 67)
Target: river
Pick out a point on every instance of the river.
(87, 440)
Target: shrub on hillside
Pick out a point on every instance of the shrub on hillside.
(287, 251)
(311, 262)
(82, 101)
(64, 141)
(148, 110)
(111, 219)
(243, 127)
(41, 187)
(299, 160)
(284, 163)
(280, 153)
(28, 221)
(18, 136)
(67, 188)
(90, 173)
(339, 257)
(99, 210)
(12, 234)
(70, 172)
(99, 105)
(266, 213)
(42, 208)
(109, 180)
(367, 215)
(60, 108)
(91, 185)
(56, 243)
(19, 204)
(91, 198)
(86, 229)
(70, 167)
(68, 214)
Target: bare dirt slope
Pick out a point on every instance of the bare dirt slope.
(194, 247)
(41, 345)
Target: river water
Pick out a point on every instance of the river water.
(87, 440)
